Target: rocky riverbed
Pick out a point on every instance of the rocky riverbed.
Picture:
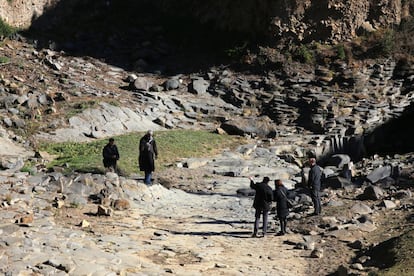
(197, 217)
(86, 224)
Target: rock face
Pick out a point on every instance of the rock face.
(20, 13)
(299, 20)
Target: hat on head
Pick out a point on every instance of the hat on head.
(311, 154)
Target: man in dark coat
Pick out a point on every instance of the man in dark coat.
(147, 154)
(262, 203)
(110, 155)
(314, 185)
(282, 209)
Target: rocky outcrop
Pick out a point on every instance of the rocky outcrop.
(21, 13)
(300, 20)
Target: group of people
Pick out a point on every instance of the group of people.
(148, 152)
(264, 196)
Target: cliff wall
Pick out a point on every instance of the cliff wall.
(21, 13)
(299, 20)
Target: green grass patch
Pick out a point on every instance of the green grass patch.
(79, 107)
(4, 60)
(6, 30)
(172, 146)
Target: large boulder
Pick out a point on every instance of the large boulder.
(338, 160)
(379, 173)
(260, 126)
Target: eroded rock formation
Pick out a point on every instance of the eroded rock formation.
(300, 20)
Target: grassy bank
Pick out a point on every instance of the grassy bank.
(172, 146)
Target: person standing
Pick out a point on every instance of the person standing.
(314, 185)
(110, 155)
(147, 154)
(282, 209)
(262, 203)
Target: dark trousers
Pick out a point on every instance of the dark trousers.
(283, 221)
(147, 178)
(316, 199)
(110, 165)
(257, 215)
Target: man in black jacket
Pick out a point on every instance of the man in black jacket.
(282, 209)
(110, 155)
(262, 203)
(314, 185)
(148, 152)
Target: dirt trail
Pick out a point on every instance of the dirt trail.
(229, 249)
(196, 240)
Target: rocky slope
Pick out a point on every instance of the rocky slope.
(118, 225)
(303, 20)
(197, 218)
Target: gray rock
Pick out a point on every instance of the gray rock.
(335, 203)
(172, 84)
(199, 86)
(379, 173)
(141, 84)
(357, 266)
(361, 208)
(261, 127)
(8, 122)
(193, 163)
(389, 204)
(338, 160)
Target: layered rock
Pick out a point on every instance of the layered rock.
(300, 20)
(303, 20)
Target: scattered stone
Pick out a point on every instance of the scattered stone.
(317, 253)
(379, 173)
(120, 204)
(25, 219)
(103, 211)
(389, 204)
(361, 208)
(84, 224)
(357, 266)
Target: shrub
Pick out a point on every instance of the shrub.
(340, 49)
(387, 42)
(5, 29)
(304, 54)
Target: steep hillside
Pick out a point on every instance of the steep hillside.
(302, 20)
(290, 77)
